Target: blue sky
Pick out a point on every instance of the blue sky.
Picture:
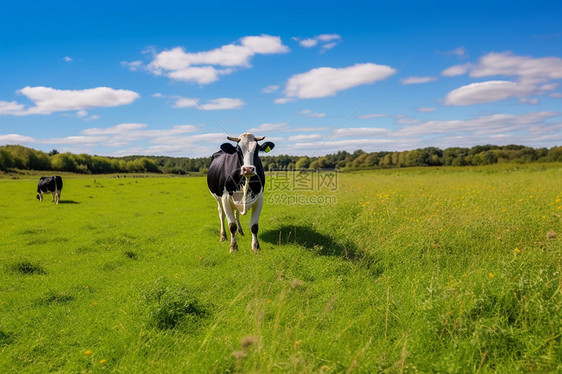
(174, 78)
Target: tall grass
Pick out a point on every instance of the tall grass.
(432, 270)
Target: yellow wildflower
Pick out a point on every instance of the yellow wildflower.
(491, 275)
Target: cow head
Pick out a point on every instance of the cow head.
(247, 148)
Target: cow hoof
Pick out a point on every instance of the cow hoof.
(233, 249)
(223, 238)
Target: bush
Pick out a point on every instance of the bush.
(175, 307)
(27, 268)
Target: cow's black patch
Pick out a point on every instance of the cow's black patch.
(266, 146)
(47, 184)
(224, 171)
(228, 148)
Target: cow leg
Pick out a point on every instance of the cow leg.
(231, 219)
(256, 210)
(58, 196)
(221, 217)
(237, 214)
(54, 196)
(40, 196)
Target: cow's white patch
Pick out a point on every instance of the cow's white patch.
(244, 199)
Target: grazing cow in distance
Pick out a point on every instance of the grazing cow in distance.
(49, 184)
(236, 179)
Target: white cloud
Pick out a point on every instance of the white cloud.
(412, 133)
(84, 116)
(508, 64)
(403, 119)
(326, 81)
(372, 115)
(328, 37)
(456, 70)
(486, 125)
(311, 114)
(308, 43)
(200, 75)
(199, 67)
(526, 100)
(15, 139)
(213, 104)
(329, 46)
(48, 100)
(123, 134)
(11, 108)
(120, 129)
(361, 132)
(268, 127)
(298, 138)
(77, 140)
(320, 147)
(184, 102)
(533, 76)
(283, 100)
(425, 110)
(67, 59)
(417, 80)
(223, 103)
(132, 66)
(460, 52)
(549, 87)
(487, 92)
(270, 89)
(526, 68)
(326, 41)
(556, 95)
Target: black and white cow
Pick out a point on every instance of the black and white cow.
(236, 179)
(49, 184)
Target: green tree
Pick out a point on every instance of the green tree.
(303, 163)
(63, 162)
(6, 160)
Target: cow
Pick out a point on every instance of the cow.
(49, 184)
(236, 179)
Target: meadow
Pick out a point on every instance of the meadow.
(455, 270)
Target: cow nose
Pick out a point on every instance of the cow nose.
(248, 170)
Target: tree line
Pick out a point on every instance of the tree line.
(23, 158)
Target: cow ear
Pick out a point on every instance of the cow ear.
(228, 148)
(267, 146)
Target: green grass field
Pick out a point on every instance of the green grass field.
(411, 270)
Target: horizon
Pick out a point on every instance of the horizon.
(118, 81)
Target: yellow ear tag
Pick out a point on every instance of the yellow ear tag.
(267, 149)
